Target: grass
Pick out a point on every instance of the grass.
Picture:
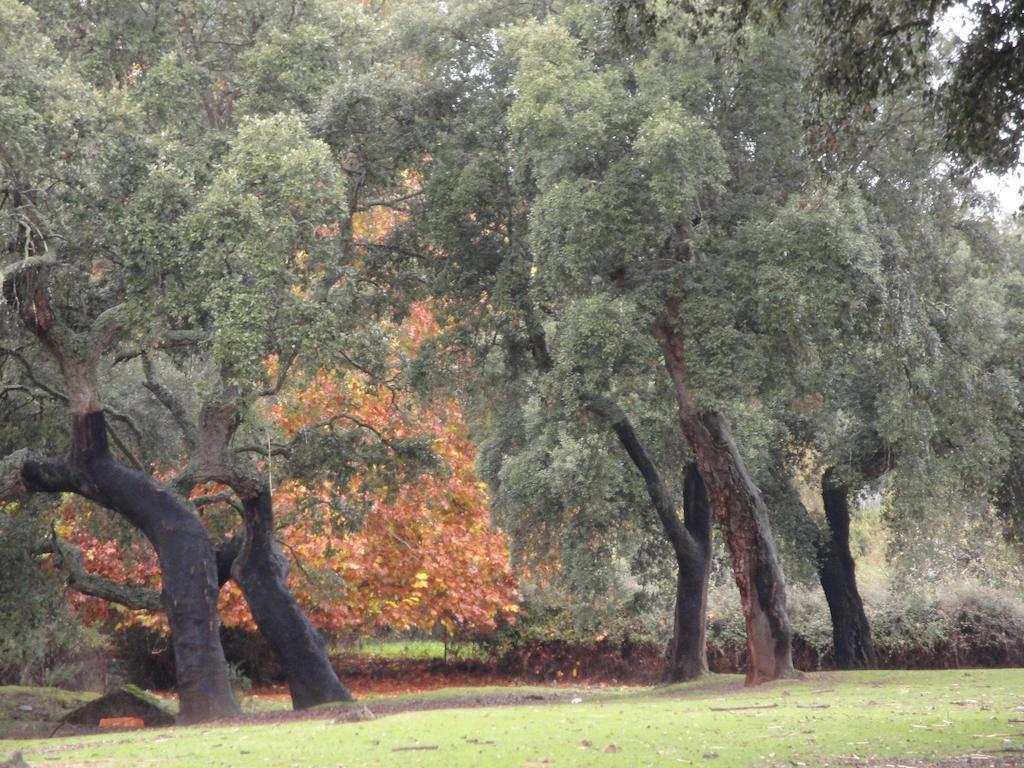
(413, 649)
(815, 721)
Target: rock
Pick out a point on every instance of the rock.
(128, 702)
(356, 714)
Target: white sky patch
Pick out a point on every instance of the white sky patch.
(1008, 190)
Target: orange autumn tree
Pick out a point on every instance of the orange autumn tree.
(425, 554)
(394, 544)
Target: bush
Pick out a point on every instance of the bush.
(41, 640)
(913, 627)
(553, 617)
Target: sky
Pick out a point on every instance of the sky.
(1006, 188)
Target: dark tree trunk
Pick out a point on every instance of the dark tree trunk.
(261, 570)
(258, 567)
(688, 655)
(691, 544)
(187, 565)
(851, 633)
(186, 557)
(742, 518)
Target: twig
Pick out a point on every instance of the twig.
(751, 706)
(415, 748)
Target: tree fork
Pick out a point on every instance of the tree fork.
(259, 568)
(89, 469)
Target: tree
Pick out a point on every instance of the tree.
(377, 506)
(646, 174)
(872, 50)
(884, 389)
(229, 238)
(559, 481)
(57, 129)
(424, 554)
(864, 52)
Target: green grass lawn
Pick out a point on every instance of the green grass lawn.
(413, 649)
(819, 720)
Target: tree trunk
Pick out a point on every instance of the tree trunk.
(742, 518)
(187, 564)
(688, 658)
(186, 557)
(261, 570)
(851, 632)
(690, 540)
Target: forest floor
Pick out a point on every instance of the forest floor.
(912, 719)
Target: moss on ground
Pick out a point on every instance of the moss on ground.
(822, 719)
(26, 711)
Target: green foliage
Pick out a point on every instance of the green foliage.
(550, 617)
(934, 625)
(682, 157)
(40, 638)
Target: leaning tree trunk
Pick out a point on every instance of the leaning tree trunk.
(187, 564)
(851, 632)
(690, 540)
(742, 518)
(186, 557)
(261, 571)
(688, 656)
(259, 568)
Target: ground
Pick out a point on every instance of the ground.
(947, 718)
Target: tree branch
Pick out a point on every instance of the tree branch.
(105, 328)
(25, 471)
(69, 559)
(282, 375)
(172, 403)
(659, 493)
(285, 449)
(30, 373)
(390, 202)
(224, 497)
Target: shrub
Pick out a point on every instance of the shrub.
(41, 641)
(913, 627)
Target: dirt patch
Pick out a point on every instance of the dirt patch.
(544, 662)
(382, 707)
(355, 711)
